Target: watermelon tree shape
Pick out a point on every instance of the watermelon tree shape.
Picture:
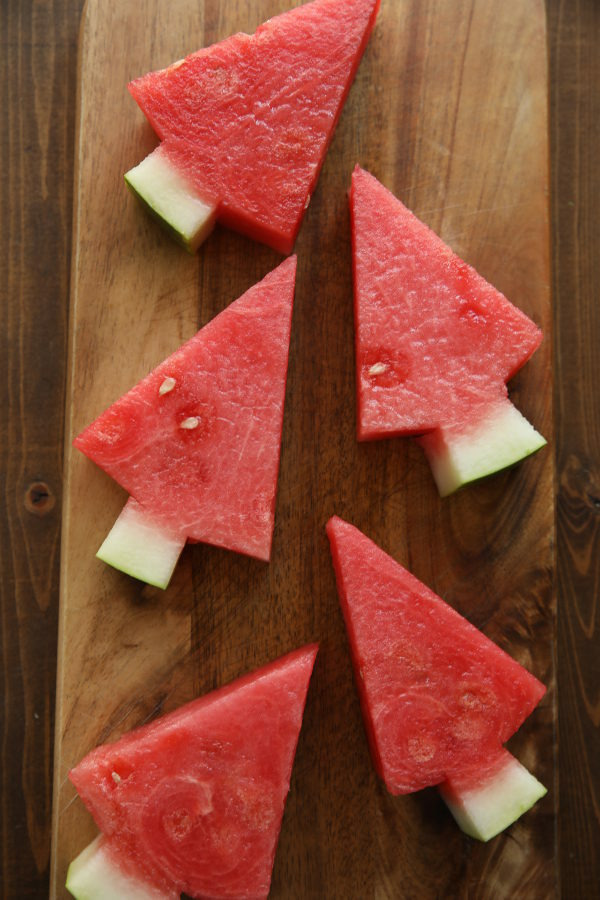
(245, 124)
(435, 345)
(193, 801)
(196, 443)
(439, 699)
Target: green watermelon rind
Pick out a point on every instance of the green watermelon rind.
(500, 440)
(96, 875)
(171, 200)
(489, 809)
(139, 547)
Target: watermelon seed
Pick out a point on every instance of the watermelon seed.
(190, 423)
(178, 824)
(116, 777)
(167, 385)
(378, 369)
(421, 749)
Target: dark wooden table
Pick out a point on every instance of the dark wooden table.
(38, 50)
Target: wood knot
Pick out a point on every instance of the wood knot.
(595, 502)
(39, 498)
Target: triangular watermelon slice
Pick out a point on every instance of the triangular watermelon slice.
(439, 699)
(197, 442)
(245, 124)
(435, 345)
(193, 802)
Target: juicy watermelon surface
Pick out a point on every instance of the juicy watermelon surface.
(248, 120)
(438, 697)
(435, 342)
(195, 799)
(215, 481)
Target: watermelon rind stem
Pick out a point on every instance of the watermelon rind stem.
(502, 438)
(140, 547)
(171, 199)
(486, 810)
(96, 875)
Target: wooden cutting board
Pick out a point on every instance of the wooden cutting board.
(449, 111)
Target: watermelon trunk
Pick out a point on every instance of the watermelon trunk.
(172, 199)
(140, 546)
(487, 806)
(498, 439)
(98, 874)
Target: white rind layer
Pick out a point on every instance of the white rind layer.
(137, 546)
(486, 811)
(501, 439)
(172, 200)
(93, 875)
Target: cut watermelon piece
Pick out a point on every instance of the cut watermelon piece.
(245, 124)
(435, 345)
(197, 442)
(438, 698)
(193, 802)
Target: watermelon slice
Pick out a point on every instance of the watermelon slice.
(194, 801)
(435, 345)
(197, 442)
(245, 124)
(438, 698)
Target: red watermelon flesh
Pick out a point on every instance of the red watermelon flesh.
(435, 342)
(248, 121)
(194, 801)
(438, 698)
(197, 441)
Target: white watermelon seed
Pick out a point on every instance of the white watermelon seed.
(167, 385)
(190, 423)
(116, 777)
(378, 369)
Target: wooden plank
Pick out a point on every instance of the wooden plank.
(37, 75)
(575, 108)
(449, 111)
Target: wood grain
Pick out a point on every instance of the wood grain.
(458, 138)
(575, 113)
